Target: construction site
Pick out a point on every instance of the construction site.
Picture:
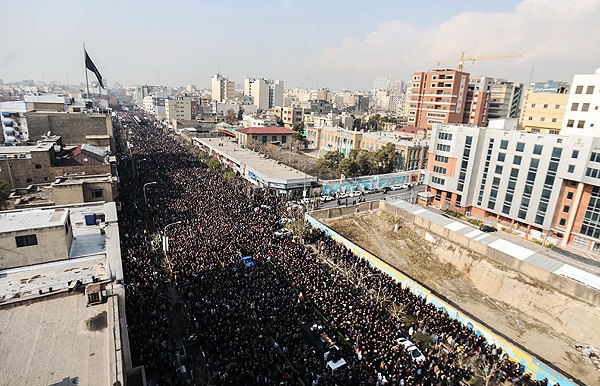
(552, 317)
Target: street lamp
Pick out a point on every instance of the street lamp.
(144, 190)
(165, 238)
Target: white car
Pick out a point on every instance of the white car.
(327, 198)
(412, 349)
(356, 193)
(343, 195)
(400, 187)
(283, 232)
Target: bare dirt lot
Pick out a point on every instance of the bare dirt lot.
(545, 321)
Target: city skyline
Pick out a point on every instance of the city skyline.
(304, 44)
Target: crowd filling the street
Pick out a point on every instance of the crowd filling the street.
(242, 319)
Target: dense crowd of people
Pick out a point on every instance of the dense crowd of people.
(248, 319)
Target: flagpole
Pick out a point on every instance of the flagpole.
(87, 84)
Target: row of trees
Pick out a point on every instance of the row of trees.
(360, 162)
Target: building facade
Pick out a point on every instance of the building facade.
(543, 107)
(14, 122)
(582, 116)
(437, 96)
(505, 100)
(266, 93)
(548, 184)
(222, 88)
(274, 135)
(179, 108)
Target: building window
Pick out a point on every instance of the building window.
(97, 193)
(264, 139)
(562, 222)
(25, 241)
(30, 180)
(537, 149)
(439, 169)
(570, 123)
(557, 106)
(553, 120)
(580, 124)
(437, 180)
(575, 154)
(569, 195)
(543, 119)
(504, 144)
(38, 166)
(566, 209)
(585, 107)
(501, 157)
(575, 107)
(579, 90)
(498, 169)
(520, 146)
(531, 118)
(441, 158)
(445, 136)
(441, 147)
(571, 169)
(589, 90)
(517, 160)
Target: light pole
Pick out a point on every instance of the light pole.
(144, 190)
(165, 238)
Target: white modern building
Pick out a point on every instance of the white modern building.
(155, 104)
(582, 116)
(222, 88)
(542, 183)
(266, 93)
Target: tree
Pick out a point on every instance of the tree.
(4, 193)
(349, 167)
(230, 117)
(386, 159)
(299, 129)
(330, 161)
(240, 114)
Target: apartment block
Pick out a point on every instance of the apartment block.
(505, 100)
(542, 183)
(222, 88)
(437, 96)
(179, 108)
(543, 107)
(266, 93)
(582, 116)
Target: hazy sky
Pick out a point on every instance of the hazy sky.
(310, 43)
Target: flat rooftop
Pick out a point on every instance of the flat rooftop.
(56, 341)
(18, 283)
(244, 156)
(32, 219)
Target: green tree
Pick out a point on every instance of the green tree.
(4, 193)
(330, 161)
(214, 164)
(385, 158)
(349, 167)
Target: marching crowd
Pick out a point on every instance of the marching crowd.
(247, 318)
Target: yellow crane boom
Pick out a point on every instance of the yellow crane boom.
(462, 59)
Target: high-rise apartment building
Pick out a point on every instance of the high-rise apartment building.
(222, 88)
(265, 92)
(441, 96)
(538, 183)
(179, 108)
(381, 83)
(543, 107)
(505, 100)
(582, 116)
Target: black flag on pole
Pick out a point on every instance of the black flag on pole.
(92, 67)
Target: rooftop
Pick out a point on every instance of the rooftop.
(57, 341)
(266, 130)
(32, 219)
(394, 138)
(269, 168)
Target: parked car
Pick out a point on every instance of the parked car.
(356, 193)
(283, 232)
(367, 190)
(487, 228)
(400, 187)
(385, 189)
(343, 195)
(327, 198)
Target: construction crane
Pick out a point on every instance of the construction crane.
(462, 59)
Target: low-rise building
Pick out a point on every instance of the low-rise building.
(75, 189)
(274, 135)
(543, 107)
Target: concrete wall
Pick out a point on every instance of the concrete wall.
(558, 282)
(539, 369)
(72, 127)
(53, 244)
(21, 172)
